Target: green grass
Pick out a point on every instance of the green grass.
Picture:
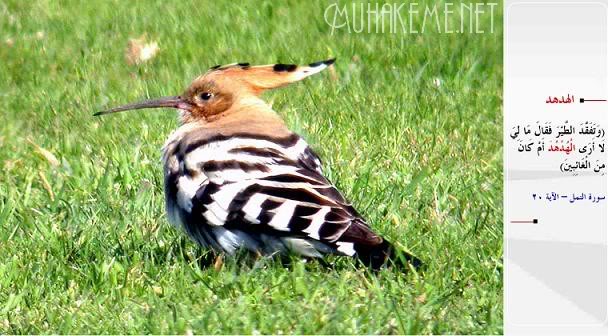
(92, 252)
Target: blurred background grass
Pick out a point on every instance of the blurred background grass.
(408, 127)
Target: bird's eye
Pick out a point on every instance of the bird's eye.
(205, 96)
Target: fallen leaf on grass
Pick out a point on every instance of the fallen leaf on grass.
(437, 82)
(333, 75)
(50, 157)
(421, 298)
(140, 51)
(219, 262)
(46, 185)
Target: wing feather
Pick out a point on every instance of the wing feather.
(263, 190)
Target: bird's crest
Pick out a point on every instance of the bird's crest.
(229, 93)
(258, 79)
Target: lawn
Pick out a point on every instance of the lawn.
(408, 126)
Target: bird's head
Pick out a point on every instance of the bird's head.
(226, 90)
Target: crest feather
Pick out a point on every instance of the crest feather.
(265, 77)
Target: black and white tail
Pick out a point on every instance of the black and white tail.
(385, 253)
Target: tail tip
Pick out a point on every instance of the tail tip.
(386, 254)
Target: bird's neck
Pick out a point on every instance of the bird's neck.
(247, 115)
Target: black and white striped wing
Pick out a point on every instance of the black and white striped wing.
(266, 196)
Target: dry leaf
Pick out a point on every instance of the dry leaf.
(332, 73)
(11, 164)
(395, 219)
(219, 262)
(46, 185)
(50, 157)
(421, 298)
(140, 51)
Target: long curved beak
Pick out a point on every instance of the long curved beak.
(171, 101)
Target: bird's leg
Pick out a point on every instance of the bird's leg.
(207, 258)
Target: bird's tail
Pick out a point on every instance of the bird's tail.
(385, 253)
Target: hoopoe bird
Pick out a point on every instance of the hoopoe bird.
(236, 177)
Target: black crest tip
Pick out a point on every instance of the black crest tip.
(279, 67)
(326, 62)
